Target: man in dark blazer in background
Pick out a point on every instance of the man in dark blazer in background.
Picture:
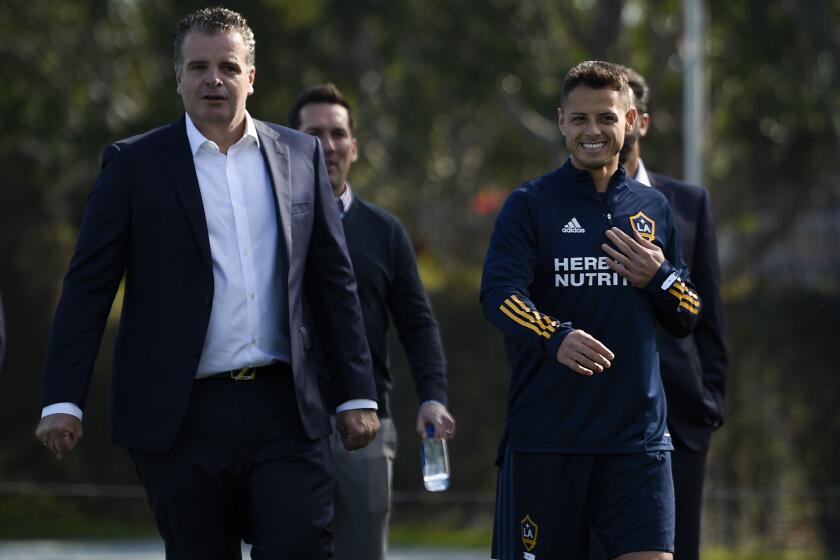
(230, 242)
(693, 368)
(389, 289)
(2, 335)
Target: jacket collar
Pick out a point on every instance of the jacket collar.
(583, 180)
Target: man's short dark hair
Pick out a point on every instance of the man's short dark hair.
(596, 74)
(213, 21)
(641, 92)
(322, 93)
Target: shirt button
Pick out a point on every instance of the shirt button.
(247, 252)
(253, 296)
(253, 341)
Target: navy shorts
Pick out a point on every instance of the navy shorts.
(547, 504)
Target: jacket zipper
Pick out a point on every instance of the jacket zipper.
(608, 207)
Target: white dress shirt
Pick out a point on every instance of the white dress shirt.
(248, 308)
(642, 174)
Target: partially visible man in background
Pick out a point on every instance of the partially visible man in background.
(388, 282)
(2, 336)
(693, 368)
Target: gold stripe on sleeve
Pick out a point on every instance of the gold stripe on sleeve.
(507, 312)
(543, 320)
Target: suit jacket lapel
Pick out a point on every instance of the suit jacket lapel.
(276, 154)
(178, 162)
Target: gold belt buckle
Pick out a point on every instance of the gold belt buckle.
(244, 374)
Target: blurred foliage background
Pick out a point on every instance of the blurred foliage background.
(456, 105)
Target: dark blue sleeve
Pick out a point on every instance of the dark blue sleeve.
(415, 322)
(333, 285)
(2, 335)
(507, 276)
(675, 300)
(708, 334)
(94, 275)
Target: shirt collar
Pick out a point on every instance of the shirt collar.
(197, 139)
(346, 197)
(642, 174)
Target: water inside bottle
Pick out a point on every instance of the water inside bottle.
(436, 482)
(435, 460)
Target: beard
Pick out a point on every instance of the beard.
(630, 140)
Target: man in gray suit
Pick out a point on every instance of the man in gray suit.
(230, 242)
(390, 290)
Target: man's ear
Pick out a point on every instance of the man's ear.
(178, 82)
(643, 122)
(630, 119)
(561, 120)
(252, 74)
(354, 151)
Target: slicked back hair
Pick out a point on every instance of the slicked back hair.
(322, 93)
(596, 74)
(641, 91)
(214, 21)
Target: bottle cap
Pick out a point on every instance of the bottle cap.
(430, 430)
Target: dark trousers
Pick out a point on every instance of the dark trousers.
(689, 470)
(242, 469)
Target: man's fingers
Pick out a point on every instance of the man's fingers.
(623, 242)
(435, 414)
(59, 433)
(584, 354)
(642, 241)
(64, 444)
(596, 345)
(577, 368)
(614, 255)
(589, 363)
(357, 427)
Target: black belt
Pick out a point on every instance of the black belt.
(248, 373)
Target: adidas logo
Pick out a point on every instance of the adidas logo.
(573, 227)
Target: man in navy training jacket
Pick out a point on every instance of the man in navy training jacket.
(582, 265)
(388, 283)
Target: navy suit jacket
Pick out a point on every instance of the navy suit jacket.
(694, 368)
(2, 335)
(145, 220)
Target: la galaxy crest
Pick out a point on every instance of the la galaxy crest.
(529, 531)
(644, 226)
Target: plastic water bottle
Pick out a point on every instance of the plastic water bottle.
(435, 461)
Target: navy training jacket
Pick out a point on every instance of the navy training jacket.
(545, 274)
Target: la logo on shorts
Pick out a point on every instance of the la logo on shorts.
(529, 531)
(644, 226)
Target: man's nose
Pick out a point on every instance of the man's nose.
(593, 128)
(213, 79)
(327, 143)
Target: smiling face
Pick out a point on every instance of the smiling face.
(214, 80)
(330, 122)
(594, 122)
